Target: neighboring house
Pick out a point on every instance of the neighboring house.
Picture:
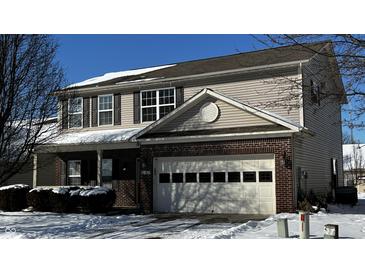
(242, 133)
(354, 165)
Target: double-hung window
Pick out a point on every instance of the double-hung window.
(107, 170)
(105, 111)
(155, 104)
(74, 172)
(75, 112)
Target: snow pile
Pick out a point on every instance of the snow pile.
(17, 186)
(252, 226)
(60, 190)
(96, 136)
(113, 75)
(94, 191)
(41, 188)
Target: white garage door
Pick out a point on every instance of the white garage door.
(220, 184)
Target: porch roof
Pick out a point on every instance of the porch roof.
(103, 136)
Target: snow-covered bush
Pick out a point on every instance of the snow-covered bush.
(96, 199)
(13, 197)
(71, 199)
(39, 199)
(59, 200)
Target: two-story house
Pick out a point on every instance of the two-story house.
(242, 133)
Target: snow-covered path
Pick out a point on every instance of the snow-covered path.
(27, 225)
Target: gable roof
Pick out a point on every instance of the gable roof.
(277, 119)
(244, 60)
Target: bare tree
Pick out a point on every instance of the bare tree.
(349, 52)
(346, 138)
(29, 75)
(354, 164)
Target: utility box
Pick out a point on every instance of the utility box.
(330, 231)
(283, 231)
(303, 225)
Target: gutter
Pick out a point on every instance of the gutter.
(216, 137)
(187, 77)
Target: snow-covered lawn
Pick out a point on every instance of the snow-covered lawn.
(351, 221)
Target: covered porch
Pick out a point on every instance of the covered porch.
(107, 163)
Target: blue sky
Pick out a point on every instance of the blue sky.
(87, 56)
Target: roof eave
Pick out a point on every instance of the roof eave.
(187, 77)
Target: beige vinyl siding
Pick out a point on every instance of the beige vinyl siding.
(25, 176)
(272, 91)
(275, 94)
(229, 117)
(313, 153)
(46, 171)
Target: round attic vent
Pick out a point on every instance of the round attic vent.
(209, 112)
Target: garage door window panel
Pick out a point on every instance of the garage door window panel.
(164, 178)
(177, 177)
(234, 177)
(191, 177)
(219, 177)
(265, 176)
(249, 176)
(205, 177)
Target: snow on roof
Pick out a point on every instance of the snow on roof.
(96, 136)
(113, 75)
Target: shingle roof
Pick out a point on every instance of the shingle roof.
(223, 63)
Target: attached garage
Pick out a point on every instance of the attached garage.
(215, 184)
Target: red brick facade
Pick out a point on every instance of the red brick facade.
(127, 190)
(281, 147)
(125, 193)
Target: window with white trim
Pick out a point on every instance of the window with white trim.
(105, 110)
(107, 170)
(75, 112)
(74, 172)
(155, 104)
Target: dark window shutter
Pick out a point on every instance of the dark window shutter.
(137, 107)
(179, 96)
(94, 111)
(64, 113)
(117, 109)
(86, 112)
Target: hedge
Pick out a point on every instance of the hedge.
(13, 197)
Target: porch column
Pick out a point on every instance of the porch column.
(35, 166)
(99, 167)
